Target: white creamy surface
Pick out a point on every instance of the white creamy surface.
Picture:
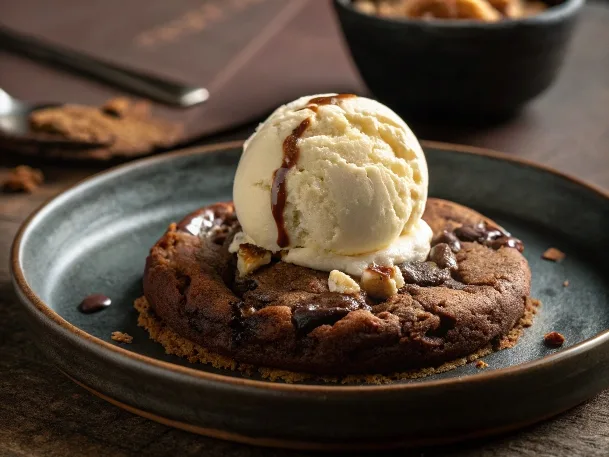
(413, 246)
(409, 247)
(360, 182)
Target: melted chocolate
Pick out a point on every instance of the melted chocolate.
(488, 235)
(94, 303)
(195, 222)
(213, 225)
(316, 102)
(308, 318)
(506, 241)
(291, 153)
(449, 238)
(382, 270)
(329, 100)
(424, 273)
(327, 309)
(443, 256)
(472, 232)
(279, 192)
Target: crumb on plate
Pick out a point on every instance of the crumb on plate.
(554, 339)
(122, 337)
(553, 254)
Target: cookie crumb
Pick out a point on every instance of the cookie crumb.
(123, 106)
(23, 179)
(553, 254)
(554, 339)
(122, 337)
(481, 364)
(565, 284)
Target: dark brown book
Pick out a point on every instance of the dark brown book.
(251, 54)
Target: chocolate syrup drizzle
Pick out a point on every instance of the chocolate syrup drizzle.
(279, 193)
(381, 270)
(291, 152)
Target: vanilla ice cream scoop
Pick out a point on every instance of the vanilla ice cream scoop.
(337, 181)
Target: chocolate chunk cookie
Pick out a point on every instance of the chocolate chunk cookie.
(471, 291)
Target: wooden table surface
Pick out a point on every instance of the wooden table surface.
(44, 413)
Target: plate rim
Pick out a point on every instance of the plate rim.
(62, 328)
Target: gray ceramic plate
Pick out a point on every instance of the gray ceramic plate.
(95, 237)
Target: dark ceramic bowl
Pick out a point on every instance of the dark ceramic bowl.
(439, 68)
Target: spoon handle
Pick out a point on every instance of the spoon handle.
(153, 87)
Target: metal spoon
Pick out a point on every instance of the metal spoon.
(153, 87)
(15, 124)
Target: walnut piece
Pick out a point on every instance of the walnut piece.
(342, 283)
(251, 257)
(382, 282)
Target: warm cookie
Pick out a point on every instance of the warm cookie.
(470, 292)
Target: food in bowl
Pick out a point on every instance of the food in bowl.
(481, 10)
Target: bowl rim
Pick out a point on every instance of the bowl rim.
(555, 13)
(61, 328)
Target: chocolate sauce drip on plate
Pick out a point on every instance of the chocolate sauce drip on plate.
(94, 303)
(291, 153)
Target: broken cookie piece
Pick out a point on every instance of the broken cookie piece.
(553, 254)
(122, 337)
(481, 364)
